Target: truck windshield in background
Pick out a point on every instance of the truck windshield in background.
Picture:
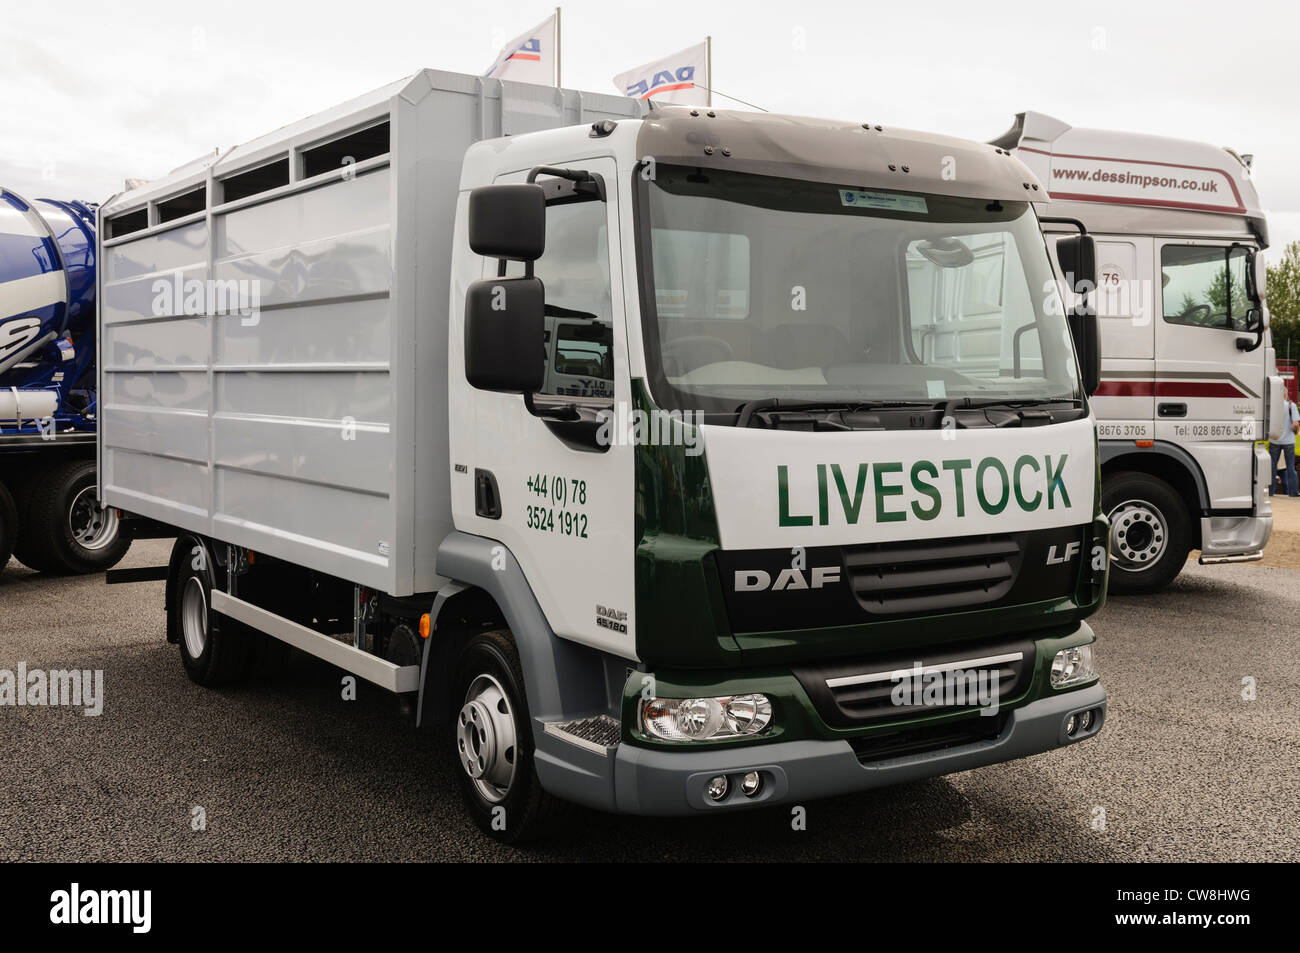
(772, 288)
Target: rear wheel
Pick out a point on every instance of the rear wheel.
(65, 530)
(1149, 532)
(8, 525)
(493, 745)
(214, 650)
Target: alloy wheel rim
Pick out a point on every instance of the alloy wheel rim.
(92, 526)
(486, 738)
(194, 616)
(1139, 535)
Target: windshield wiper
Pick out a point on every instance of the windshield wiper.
(746, 411)
(1011, 403)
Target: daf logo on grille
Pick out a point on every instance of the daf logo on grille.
(756, 580)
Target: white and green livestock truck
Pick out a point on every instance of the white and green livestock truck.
(759, 539)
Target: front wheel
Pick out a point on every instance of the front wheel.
(1149, 532)
(493, 745)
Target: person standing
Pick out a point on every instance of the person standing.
(1284, 447)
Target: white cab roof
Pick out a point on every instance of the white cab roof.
(1132, 169)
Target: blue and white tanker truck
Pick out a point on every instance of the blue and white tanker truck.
(50, 517)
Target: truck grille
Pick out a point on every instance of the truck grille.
(932, 575)
(855, 693)
(909, 741)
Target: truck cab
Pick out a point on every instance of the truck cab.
(1187, 395)
(846, 434)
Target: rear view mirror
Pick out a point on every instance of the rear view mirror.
(508, 222)
(1077, 255)
(1087, 345)
(945, 252)
(505, 347)
(1254, 324)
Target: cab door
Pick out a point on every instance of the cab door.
(1208, 392)
(565, 501)
(1126, 315)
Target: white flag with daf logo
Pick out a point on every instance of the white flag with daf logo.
(529, 57)
(682, 78)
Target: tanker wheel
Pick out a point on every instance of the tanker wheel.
(64, 529)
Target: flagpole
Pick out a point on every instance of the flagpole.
(709, 69)
(557, 46)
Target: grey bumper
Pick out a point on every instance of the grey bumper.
(654, 781)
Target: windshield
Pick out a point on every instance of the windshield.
(769, 288)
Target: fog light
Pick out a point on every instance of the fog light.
(1072, 666)
(1071, 725)
(750, 784)
(717, 788)
(706, 719)
(1085, 720)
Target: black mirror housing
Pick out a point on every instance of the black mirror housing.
(1078, 257)
(505, 335)
(508, 221)
(1086, 335)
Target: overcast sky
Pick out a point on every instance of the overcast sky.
(93, 92)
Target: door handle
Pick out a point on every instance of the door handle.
(487, 498)
(1172, 410)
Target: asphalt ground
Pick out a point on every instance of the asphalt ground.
(284, 769)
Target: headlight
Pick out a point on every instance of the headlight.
(706, 719)
(1072, 666)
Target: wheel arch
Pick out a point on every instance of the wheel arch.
(559, 676)
(1166, 462)
(180, 550)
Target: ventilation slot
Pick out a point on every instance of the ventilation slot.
(130, 222)
(348, 150)
(932, 575)
(906, 742)
(187, 203)
(859, 692)
(261, 179)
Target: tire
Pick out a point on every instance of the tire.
(489, 676)
(8, 526)
(64, 530)
(214, 650)
(1150, 534)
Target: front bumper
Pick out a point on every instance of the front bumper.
(671, 782)
(654, 781)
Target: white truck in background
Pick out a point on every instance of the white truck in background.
(405, 453)
(1188, 389)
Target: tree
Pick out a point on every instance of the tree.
(1283, 298)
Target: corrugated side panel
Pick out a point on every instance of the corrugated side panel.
(269, 425)
(315, 428)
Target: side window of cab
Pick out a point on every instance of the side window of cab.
(579, 313)
(1205, 286)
